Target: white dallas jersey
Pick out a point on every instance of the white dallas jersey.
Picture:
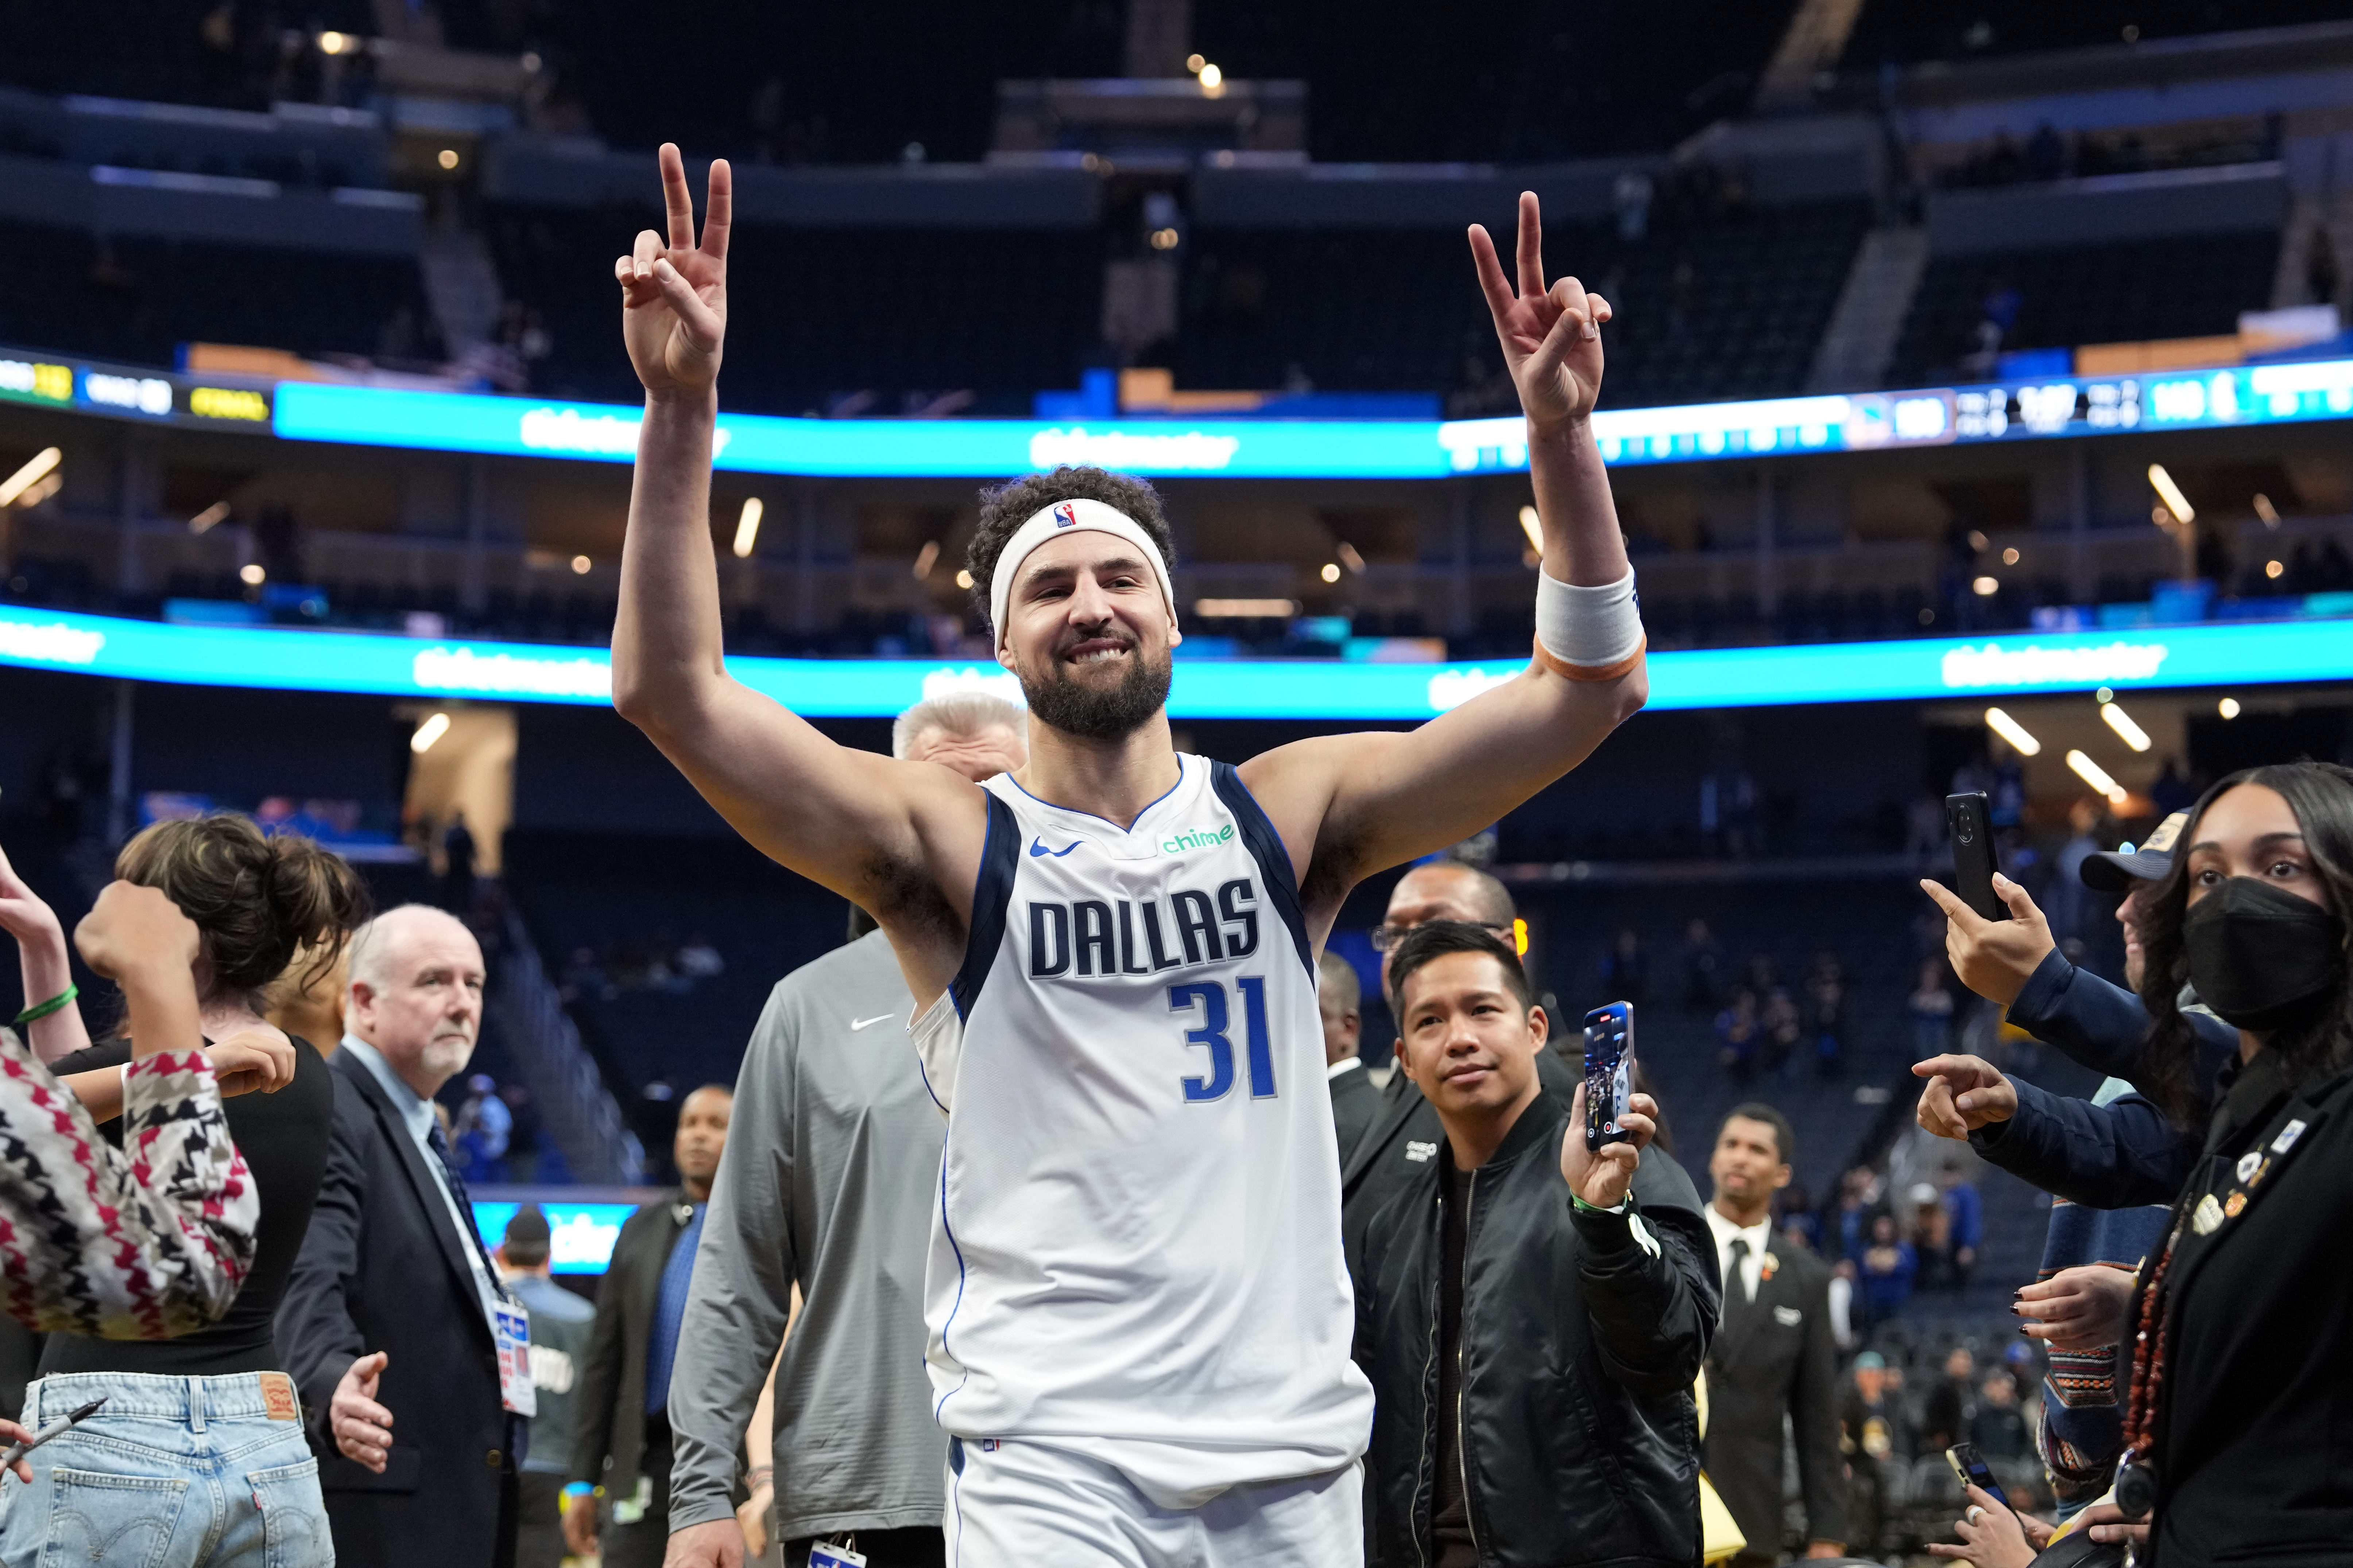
(1137, 1246)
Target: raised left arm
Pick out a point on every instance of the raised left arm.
(1347, 806)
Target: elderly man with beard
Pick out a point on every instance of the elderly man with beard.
(1138, 1312)
(388, 1327)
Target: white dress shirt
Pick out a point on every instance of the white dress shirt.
(1755, 1235)
(1346, 1064)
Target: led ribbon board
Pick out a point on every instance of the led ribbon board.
(1307, 449)
(293, 659)
(427, 420)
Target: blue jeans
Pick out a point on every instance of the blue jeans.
(175, 1472)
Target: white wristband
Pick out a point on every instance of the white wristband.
(1587, 633)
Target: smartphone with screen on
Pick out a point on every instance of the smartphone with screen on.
(1970, 1466)
(1973, 859)
(1608, 1071)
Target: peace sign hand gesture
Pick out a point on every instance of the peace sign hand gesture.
(1551, 337)
(674, 296)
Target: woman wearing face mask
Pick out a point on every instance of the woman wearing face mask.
(2241, 1360)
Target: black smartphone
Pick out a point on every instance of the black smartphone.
(1973, 857)
(1969, 1464)
(1608, 1071)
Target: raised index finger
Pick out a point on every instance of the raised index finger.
(677, 200)
(1532, 281)
(718, 210)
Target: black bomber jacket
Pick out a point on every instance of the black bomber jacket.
(1582, 1334)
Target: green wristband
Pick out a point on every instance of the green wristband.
(40, 1010)
(1581, 1206)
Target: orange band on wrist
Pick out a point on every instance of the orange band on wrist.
(1569, 671)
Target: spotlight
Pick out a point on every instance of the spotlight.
(2021, 739)
(926, 558)
(748, 527)
(2010, 557)
(251, 574)
(1533, 526)
(2121, 722)
(2264, 509)
(963, 578)
(1193, 63)
(26, 477)
(580, 564)
(1986, 587)
(2227, 708)
(2170, 493)
(446, 157)
(1331, 573)
(2091, 773)
(333, 43)
(1212, 79)
(2274, 569)
(434, 726)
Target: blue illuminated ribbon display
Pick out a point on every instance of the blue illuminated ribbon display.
(293, 659)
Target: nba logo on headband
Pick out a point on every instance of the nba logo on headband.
(1066, 515)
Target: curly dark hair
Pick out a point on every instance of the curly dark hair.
(1005, 508)
(2321, 795)
(259, 901)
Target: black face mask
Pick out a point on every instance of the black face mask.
(2260, 957)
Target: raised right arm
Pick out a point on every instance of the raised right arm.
(902, 839)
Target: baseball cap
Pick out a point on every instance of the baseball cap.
(2116, 870)
(1870, 1360)
(528, 1227)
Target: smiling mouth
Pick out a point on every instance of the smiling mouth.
(1094, 650)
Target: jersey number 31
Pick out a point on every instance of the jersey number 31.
(1209, 997)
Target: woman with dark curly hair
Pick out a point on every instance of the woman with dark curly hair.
(199, 1453)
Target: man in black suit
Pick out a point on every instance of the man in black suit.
(1405, 1132)
(622, 1443)
(1773, 1350)
(1354, 1098)
(389, 1313)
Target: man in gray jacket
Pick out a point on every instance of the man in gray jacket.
(828, 1184)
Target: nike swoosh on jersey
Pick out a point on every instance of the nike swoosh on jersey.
(861, 1022)
(1037, 848)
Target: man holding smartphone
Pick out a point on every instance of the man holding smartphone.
(1518, 1275)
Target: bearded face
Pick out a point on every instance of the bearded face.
(1103, 686)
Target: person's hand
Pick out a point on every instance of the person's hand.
(1964, 1093)
(674, 296)
(2079, 1308)
(132, 927)
(10, 1432)
(580, 1525)
(23, 913)
(1994, 958)
(713, 1544)
(1602, 1178)
(1551, 337)
(2104, 1522)
(752, 1517)
(1991, 1536)
(252, 1061)
(361, 1428)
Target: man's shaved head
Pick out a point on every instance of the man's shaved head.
(1474, 894)
(377, 946)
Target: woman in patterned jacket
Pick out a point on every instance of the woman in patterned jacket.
(152, 1240)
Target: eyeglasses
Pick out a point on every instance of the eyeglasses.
(1385, 937)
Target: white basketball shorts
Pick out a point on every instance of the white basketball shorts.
(1017, 1503)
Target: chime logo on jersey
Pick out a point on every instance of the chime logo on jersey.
(1085, 937)
(1191, 839)
(1066, 514)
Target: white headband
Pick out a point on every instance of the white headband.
(1063, 517)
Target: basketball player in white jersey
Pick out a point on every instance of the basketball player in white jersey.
(1138, 1314)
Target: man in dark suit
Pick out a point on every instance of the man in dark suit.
(622, 1442)
(1773, 1350)
(389, 1310)
(1404, 1131)
(1354, 1098)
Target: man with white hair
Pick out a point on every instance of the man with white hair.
(826, 1188)
(390, 1322)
